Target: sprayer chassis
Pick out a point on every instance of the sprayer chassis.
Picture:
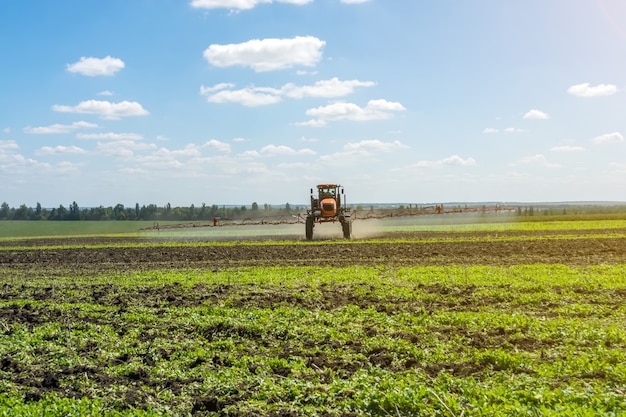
(328, 207)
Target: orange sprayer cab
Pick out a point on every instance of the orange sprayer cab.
(329, 205)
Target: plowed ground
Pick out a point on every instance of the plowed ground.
(460, 249)
(28, 268)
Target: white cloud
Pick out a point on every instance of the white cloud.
(450, 160)
(267, 54)
(95, 66)
(240, 4)
(104, 109)
(115, 149)
(105, 93)
(567, 149)
(490, 130)
(312, 123)
(250, 154)
(614, 137)
(356, 152)
(325, 88)
(586, 90)
(23, 166)
(217, 145)
(260, 96)
(188, 151)
(354, 1)
(249, 97)
(537, 115)
(273, 150)
(59, 128)
(110, 136)
(374, 146)
(7, 145)
(538, 159)
(123, 148)
(374, 110)
(60, 150)
(513, 130)
(217, 87)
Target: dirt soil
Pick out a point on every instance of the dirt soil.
(525, 249)
(43, 258)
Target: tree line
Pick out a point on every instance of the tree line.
(143, 212)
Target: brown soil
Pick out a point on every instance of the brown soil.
(31, 259)
(573, 251)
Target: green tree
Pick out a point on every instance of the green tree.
(60, 213)
(74, 213)
(203, 213)
(38, 212)
(4, 210)
(118, 212)
(22, 213)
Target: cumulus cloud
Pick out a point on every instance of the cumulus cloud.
(325, 88)
(267, 54)
(249, 97)
(241, 4)
(356, 152)
(586, 90)
(59, 128)
(188, 151)
(374, 110)
(218, 146)
(92, 67)
(110, 136)
(104, 109)
(61, 150)
(123, 148)
(567, 149)
(260, 96)
(374, 145)
(6, 146)
(273, 150)
(513, 130)
(450, 160)
(538, 159)
(490, 130)
(614, 137)
(312, 123)
(537, 115)
(19, 164)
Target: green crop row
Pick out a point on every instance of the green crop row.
(355, 341)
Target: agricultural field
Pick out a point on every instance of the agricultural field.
(410, 318)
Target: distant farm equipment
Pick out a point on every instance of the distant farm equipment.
(329, 205)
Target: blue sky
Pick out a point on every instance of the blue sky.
(241, 101)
